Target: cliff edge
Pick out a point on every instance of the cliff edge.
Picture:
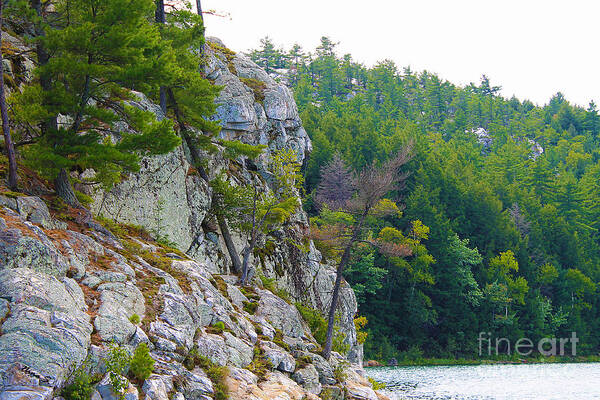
(68, 292)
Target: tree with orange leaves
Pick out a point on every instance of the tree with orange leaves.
(352, 197)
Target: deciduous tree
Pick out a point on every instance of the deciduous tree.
(371, 184)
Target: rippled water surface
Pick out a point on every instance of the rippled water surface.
(492, 382)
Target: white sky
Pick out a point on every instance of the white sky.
(532, 48)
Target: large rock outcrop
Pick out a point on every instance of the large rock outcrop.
(168, 199)
(67, 291)
(129, 290)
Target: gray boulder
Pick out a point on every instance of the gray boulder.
(26, 393)
(35, 210)
(308, 378)
(105, 390)
(280, 314)
(198, 385)
(324, 369)
(46, 330)
(154, 388)
(25, 245)
(225, 350)
(119, 301)
(278, 357)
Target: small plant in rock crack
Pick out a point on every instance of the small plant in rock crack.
(142, 364)
(217, 328)
(339, 372)
(117, 364)
(80, 387)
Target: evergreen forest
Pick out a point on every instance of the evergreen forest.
(500, 210)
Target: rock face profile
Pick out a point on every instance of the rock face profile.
(69, 293)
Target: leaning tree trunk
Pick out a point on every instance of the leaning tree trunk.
(336, 287)
(199, 10)
(235, 258)
(233, 254)
(8, 144)
(246, 261)
(64, 190)
(159, 17)
(42, 58)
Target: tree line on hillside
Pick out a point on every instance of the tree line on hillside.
(501, 211)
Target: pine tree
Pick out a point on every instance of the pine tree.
(8, 144)
(190, 94)
(103, 48)
(335, 189)
(267, 55)
(159, 17)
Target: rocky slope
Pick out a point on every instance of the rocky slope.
(68, 291)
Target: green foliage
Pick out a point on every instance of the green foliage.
(579, 283)
(376, 385)
(339, 343)
(512, 245)
(547, 274)
(318, 327)
(215, 372)
(269, 284)
(339, 371)
(362, 274)
(303, 361)
(359, 325)
(80, 388)
(260, 365)
(101, 48)
(98, 51)
(278, 340)
(414, 353)
(135, 319)
(218, 327)
(117, 363)
(286, 168)
(500, 269)
(217, 375)
(235, 148)
(258, 87)
(192, 94)
(142, 364)
(315, 321)
(250, 307)
(232, 200)
(83, 198)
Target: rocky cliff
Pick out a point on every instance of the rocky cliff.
(68, 291)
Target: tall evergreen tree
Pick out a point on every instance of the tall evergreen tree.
(8, 143)
(103, 48)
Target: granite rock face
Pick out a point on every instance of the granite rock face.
(129, 291)
(163, 197)
(68, 291)
(168, 198)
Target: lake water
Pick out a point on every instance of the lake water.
(492, 382)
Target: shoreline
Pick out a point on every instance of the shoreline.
(433, 362)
